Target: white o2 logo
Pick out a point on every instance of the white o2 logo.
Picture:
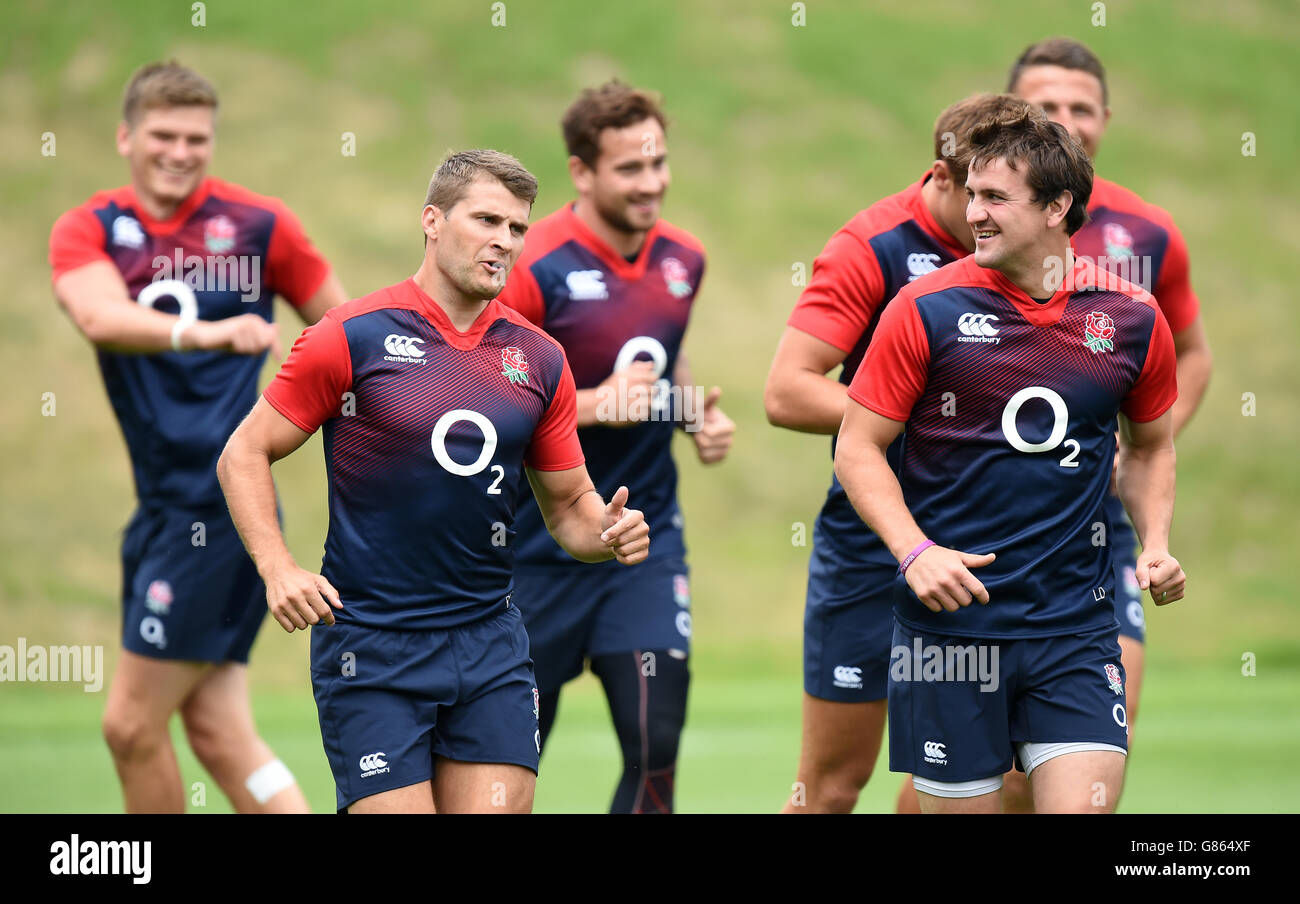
(659, 355)
(439, 443)
(1060, 419)
(172, 288)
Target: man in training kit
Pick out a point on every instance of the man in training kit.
(614, 284)
(434, 400)
(849, 617)
(1008, 370)
(171, 278)
(1140, 243)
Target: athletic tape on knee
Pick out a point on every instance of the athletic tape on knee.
(269, 780)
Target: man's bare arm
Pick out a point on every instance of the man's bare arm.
(1195, 363)
(939, 576)
(799, 395)
(96, 299)
(580, 521)
(296, 597)
(331, 294)
(1146, 479)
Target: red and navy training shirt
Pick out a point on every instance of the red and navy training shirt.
(864, 265)
(1010, 409)
(1139, 242)
(607, 312)
(236, 250)
(427, 431)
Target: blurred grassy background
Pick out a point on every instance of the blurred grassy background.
(778, 135)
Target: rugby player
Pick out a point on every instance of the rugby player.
(614, 284)
(171, 278)
(434, 400)
(848, 620)
(1139, 242)
(1008, 371)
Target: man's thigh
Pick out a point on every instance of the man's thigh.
(1086, 782)
(149, 690)
(483, 787)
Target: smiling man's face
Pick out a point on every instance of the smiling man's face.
(168, 150)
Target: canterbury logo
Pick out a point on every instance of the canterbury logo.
(976, 325)
(403, 346)
(919, 264)
(847, 676)
(976, 328)
(934, 752)
(372, 762)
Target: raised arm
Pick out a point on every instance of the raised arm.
(582, 523)
(96, 299)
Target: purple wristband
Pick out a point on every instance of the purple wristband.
(911, 556)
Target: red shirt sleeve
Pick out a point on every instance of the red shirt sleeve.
(1156, 388)
(1174, 290)
(294, 268)
(309, 388)
(843, 294)
(77, 239)
(894, 371)
(555, 445)
(524, 295)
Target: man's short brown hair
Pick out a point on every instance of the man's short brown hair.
(613, 105)
(953, 127)
(1054, 162)
(459, 170)
(168, 84)
(1064, 52)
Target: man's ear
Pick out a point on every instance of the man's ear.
(431, 219)
(582, 175)
(942, 175)
(1058, 207)
(123, 139)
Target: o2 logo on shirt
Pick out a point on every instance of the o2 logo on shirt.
(659, 356)
(440, 454)
(1060, 419)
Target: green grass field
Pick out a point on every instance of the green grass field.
(778, 135)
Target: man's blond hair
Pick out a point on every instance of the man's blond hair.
(168, 84)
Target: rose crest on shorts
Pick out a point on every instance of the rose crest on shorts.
(1099, 332)
(1113, 679)
(514, 365)
(158, 598)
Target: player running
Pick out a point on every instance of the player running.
(1140, 243)
(434, 399)
(849, 618)
(213, 255)
(614, 284)
(1007, 371)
